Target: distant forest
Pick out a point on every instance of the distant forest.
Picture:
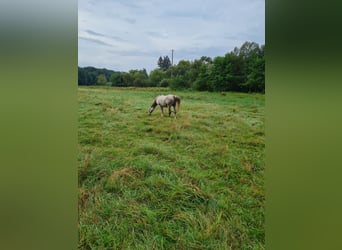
(241, 70)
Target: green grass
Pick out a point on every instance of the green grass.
(152, 182)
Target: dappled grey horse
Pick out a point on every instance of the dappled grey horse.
(166, 101)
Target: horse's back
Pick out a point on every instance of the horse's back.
(160, 99)
(170, 99)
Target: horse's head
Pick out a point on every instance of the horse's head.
(151, 110)
(153, 106)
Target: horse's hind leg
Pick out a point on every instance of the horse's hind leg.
(169, 111)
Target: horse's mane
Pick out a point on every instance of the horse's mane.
(154, 103)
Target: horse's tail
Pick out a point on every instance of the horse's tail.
(178, 102)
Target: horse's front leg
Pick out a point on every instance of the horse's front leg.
(161, 111)
(169, 111)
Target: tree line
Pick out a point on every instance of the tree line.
(241, 70)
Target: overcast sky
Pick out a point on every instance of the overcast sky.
(131, 34)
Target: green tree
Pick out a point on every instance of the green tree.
(164, 63)
(204, 82)
(254, 67)
(256, 77)
(160, 62)
(127, 79)
(89, 75)
(117, 80)
(218, 75)
(249, 49)
(166, 82)
(101, 79)
(196, 68)
(182, 75)
(156, 76)
(82, 77)
(235, 72)
(242, 69)
(139, 78)
(178, 82)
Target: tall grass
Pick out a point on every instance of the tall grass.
(152, 182)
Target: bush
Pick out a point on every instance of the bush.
(165, 82)
(178, 83)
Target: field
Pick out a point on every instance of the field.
(152, 182)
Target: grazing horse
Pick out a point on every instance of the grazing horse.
(166, 101)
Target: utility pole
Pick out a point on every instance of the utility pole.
(171, 63)
(172, 58)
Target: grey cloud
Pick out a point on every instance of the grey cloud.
(91, 2)
(116, 38)
(196, 53)
(134, 53)
(95, 41)
(202, 37)
(129, 4)
(188, 13)
(231, 37)
(130, 20)
(95, 33)
(156, 34)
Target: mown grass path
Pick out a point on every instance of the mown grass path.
(152, 182)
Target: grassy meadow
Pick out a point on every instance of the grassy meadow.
(152, 182)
